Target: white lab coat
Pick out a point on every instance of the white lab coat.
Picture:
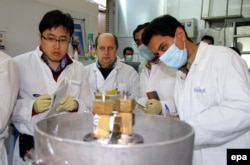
(121, 74)
(215, 99)
(161, 79)
(9, 83)
(36, 78)
(144, 77)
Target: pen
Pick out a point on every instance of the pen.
(36, 95)
(167, 109)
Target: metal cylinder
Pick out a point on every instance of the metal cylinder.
(59, 140)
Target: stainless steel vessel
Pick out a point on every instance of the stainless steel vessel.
(59, 140)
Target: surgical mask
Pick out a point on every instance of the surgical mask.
(174, 57)
(129, 58)
(146, 53)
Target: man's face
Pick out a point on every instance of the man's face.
(54, 43)
(138, 36)
(159, 44)
(128, 52)
(106, 50)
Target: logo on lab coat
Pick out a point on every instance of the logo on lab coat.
(75, 83)
(199, 90)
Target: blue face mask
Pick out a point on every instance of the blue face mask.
(174, 57)
(146, 53)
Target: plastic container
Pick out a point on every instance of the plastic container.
(59, 140)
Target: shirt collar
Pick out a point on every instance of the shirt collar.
(66, 60)
(110, 66)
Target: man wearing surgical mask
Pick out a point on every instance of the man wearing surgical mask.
(214, 97)
(128, 54)
(155, 76)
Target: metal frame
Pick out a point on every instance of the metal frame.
(217, 19)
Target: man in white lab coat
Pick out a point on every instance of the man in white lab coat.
(9, 83)
(41, 73)
(214, 97)
(108, 73)
(155, 76)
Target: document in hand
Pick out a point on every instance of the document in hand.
(57, 96)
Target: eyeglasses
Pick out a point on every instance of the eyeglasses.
(54, 40)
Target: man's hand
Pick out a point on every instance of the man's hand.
(153, 106)
(42, 103)
(67, 103)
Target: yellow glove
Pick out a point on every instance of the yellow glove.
(153, 107)
(67, 103)
(42, 103)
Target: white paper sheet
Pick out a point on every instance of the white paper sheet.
(142, 101)
(57, 96)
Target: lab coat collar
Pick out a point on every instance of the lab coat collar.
(200, 54)
(202, 46)
(66, 60)
(39, 50)
(117, 65)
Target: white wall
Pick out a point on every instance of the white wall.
(20, 20)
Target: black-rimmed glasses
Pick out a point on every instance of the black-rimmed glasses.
(54, 40)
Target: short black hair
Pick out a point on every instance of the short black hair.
(164, 25)
(139, 27)
(128, 48)
(208, 37)
(114, 36)
(56, 18)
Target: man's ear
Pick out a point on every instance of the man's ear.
(180, 33)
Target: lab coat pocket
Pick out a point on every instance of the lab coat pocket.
(74, 88)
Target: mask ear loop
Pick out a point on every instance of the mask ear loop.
(174, 38)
